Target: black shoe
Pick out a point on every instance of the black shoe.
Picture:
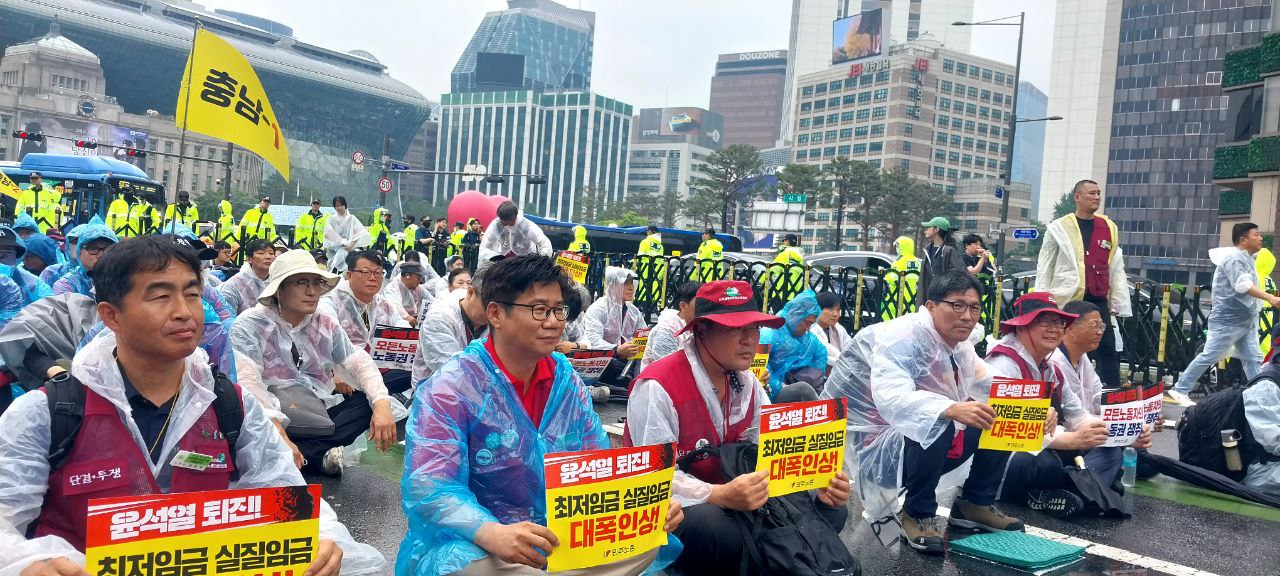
(1056, 503)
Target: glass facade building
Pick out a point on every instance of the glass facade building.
(574, 139)
(1028, 145)
(329, 103)
(556, 43)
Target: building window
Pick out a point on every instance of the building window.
(948, 65)
(859, 149)
(864, 97)
(906, 130)
(846, 133)
(943, 120)
(1213, 78)
(966, 160)
(848, 99)
(804, 122)
(801, 139)
(850, 83)
(816, 138)
(939, 155)
(961, 68)
(946, 87)
(806, 92)
(828, 151)
(818, 120)
(882, 76)
(999, 77)
(953, 157)
(833, 101)
(952, 173)
(970, 125)
(1192, 128)
(982, 145)
(979, 162)
(971, 109)
(876, 147)
(940, 139)
(877, 130)
(982, 128)
(835, 86)
(820, 89)
(820, 105)
(939, 172)
(906, 146)
(846, 116)
(10, 78)
(806, 107)
(877, 113)
(972, 91)
(830, 135)
(802, 154)
(986, 96)
(860, 132)
(968, 143)
(843, 150)
(863, 115)
(955, 140)
(956, 123)
(944, 103)
(986, 74)
(881, 94)
(833, 118)
(984, 112)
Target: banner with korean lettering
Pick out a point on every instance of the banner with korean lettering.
(393, 348)
(574, 264)
(1153, 404)
(8, 188)
(607, 505)
(1021, 406)
(760, 365)
(590, 364)
(641, 340)
(801, 444)
(1124, 413)
(222, 97)
(225, 532)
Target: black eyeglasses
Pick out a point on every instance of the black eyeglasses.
(961, 307)
(94, 251)
(541, 311)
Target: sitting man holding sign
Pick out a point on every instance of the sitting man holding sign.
(705, 394)
(480, 428)
(611, 322)
(148, 406)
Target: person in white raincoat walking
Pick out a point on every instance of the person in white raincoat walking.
(343, 233)
(511, 234)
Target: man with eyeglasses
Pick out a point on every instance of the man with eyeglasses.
(474, 490)
(924, 415)
(95, 238)
(288, 353)
(241, 291)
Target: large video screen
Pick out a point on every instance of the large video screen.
(857, 37)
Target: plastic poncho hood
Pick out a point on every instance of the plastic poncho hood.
(580, 233)
(96, 229)
(42, 247)
(25, 222)
(472, 455)
(787, 351)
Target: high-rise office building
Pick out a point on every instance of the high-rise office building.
(1028, 144)
(574, 139)
(534, 45)
(747, 90)
(1169, 115)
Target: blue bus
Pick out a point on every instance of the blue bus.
(88, 183)
(611, 239)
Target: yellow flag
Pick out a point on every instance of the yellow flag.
(8, 188)
(227, 101)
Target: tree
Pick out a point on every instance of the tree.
(727, 171)
(804, 179)
(589, 198)
(1066, 205)
(859, 183)
(703, 206)
(905, 202)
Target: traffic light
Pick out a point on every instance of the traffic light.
(28, 136)
(87, 144)
(494, 179)
(132, 153)
(537, 179)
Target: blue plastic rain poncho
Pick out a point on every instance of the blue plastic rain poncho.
(11, 300)
(25, 222)
(473, 456)
(32, 287)
(78, 279)
(66, 258)
(42, 247)
(787, 351)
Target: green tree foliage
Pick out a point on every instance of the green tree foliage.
(727, 171)
(1065, 205)
(857, 188)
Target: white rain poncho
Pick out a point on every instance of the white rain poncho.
(262, 459)
(914, 375)
(1262, 411)
(343, 233)
(472, 456)
(573, 331)
(350, 312)
(263, 344)
(242, 290)
(1082, 380)
(1233, 308)
(610, 320)
(663, 339)
(1060, 265)
(652, 418)
(836, 338)
(432, 286)
(53, 326)
(522, 239)
(787, 351)
(442, 332)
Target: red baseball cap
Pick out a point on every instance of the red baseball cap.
(729, 303)
(1030, 306)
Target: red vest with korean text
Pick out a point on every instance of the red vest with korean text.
(674, 374)
(106, 462)
(1055, 399)
(1097, 258)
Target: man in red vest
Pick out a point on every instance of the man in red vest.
(1081, 259)
(705, 394)
(148, 393)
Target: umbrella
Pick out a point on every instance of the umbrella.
(1099, 498)
(1207, 479)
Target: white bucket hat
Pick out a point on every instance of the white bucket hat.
(293, 263)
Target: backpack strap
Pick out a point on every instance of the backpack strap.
(228, 406)
(66, 398)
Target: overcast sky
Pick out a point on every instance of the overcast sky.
(649, 53)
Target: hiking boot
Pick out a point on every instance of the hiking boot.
(600, 393)
(1176, 397)
(982, 518)
(1056, 503)
(921, 534)
(332, 463)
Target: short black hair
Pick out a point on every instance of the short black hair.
(1239, 231)
(792, 238)
(1076, 188)
(507, 279)
(1081, 308)
(709, 230)
(221, 245)
(952, 282)
(255, 245)
(829, 300)
(114, 272)
(321, 256)
(411, 217)
(685, 293)
(651, 228)
(339, 200)
(412, 256)
(508, 210)
(369, 255)
(972, 238)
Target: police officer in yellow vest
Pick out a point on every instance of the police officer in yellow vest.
(791, 259)
(43, 203)
(227, 222)
(380, 230)
(1265, 263)
(580, 243)
(904, 276)
(654, 273)
(258, 222)
(710, 253)
(118, 216)
(455, 239)
(143, 217)
(410, 240)
(181, 213)
(308, 234)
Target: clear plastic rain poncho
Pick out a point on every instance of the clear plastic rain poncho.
(241, 291)
(789, 352)
(1234, 309)
(522, 239)
(663, 339)
(44, 248)
(1262, 411)
(473, 456)
(610, 320)
(68, 258)
(215, 339)
(442, 333)
(264, 344)
(914, 375)
(419, 298)
(78, 280)
(262, 459)
(341, 232)
(350, 312)
(54, 326)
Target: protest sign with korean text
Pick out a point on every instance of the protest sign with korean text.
(1022, 407)
(573, 264)
(394, 348)
(760, 364)
(232, 532)
(590, 364)
(607, 505)
(1153, 404)
(1124, 413)
(641, 340)
(801, 444)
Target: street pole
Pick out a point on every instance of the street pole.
(1013, 131)
(386, 154)
(226, 179)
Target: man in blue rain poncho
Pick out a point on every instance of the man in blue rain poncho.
(25, 225)
(42, 252)
(12, 252)
(473, 486)
(793, 346)
(95, 238)
(67, 258)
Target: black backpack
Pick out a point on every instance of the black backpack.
(66, 413)
(1200, 430)
(785, 537)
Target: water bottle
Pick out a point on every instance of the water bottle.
(1130, 467)
(1231, 450)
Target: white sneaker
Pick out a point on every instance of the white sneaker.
(600, 393)
(1178, 398)
(332, 463)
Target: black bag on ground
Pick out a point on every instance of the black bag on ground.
(790, 538)
(1200, 433)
